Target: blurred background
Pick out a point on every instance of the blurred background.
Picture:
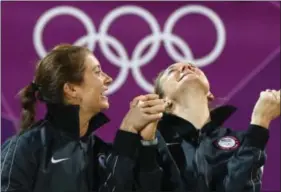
(237, 44)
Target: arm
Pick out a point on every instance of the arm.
(149, 173)
(119, 163)
(18, 166)
(244, 168)
(246, 165)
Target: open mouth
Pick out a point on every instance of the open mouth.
(182, 75)
(103, 94)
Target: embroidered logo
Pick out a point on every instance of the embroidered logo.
(228, 143)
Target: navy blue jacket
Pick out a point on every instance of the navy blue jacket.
(213, 158)
(51, 157)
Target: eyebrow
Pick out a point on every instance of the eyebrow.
(96, 66)
(170, 68)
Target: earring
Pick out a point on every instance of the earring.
(169, 105)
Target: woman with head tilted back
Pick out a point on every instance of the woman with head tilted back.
(60, 152)
(196, 153)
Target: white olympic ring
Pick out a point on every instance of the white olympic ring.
(157, 36)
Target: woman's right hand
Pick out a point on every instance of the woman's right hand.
(267, 108)
(144, 109)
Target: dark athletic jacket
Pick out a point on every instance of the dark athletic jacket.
(212, 159)
(51, 157)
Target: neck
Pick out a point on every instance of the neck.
(193, 107)
(84, 119)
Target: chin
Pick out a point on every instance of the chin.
(190, 81)
(104, 106)
(194, 82)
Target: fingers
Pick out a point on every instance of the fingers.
(153, 106)
(269, 91)
(150, 106)
(154, 109)
(136, 100)
(154, 102)
(272, 90)
(154, 117)
(271, 95)
(151, 97)
(151, 103)
(276, 95)
(147, 97)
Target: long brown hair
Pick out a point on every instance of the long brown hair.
(64, 63)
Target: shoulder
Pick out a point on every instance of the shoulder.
(224, 131)
(29, 140)
(22, 149)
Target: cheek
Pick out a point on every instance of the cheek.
(85, 92)
(204, 78)
(170, 81)
(169, 88)
(91, 96)
(206, 82)
(93, 82)
(88, 90)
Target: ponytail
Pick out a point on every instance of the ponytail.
(28, 103)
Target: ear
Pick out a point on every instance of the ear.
(69, 91)
(169, 104)
(210, 96)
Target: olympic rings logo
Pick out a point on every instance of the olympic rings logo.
(137, 60)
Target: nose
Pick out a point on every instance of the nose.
(184, 68)
(107, 79)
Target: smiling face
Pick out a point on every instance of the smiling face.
(179, 78)
(91, 92)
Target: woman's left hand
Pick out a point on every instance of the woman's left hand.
(148, 133)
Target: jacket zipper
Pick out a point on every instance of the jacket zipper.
(199, 137)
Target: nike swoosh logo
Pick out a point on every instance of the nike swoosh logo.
(58, 160)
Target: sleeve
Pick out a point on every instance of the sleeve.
(149, 172)
(244, 168)
(119, 168)
(17, 166)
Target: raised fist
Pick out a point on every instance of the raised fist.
(267, 108)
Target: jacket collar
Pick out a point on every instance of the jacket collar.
(66, 119)
(171, 123)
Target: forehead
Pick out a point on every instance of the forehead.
(91, 61)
